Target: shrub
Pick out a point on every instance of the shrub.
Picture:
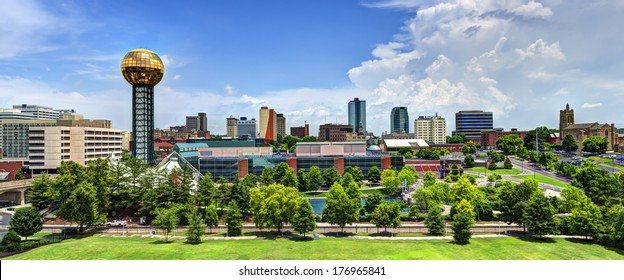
(11, 242)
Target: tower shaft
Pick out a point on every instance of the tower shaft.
(143, 123)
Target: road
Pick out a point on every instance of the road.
(528, 168)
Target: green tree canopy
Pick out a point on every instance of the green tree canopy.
(463, 189)
(597, 183)
(386, 215)
(340, 209)
(26, 222)
(509, 144)
(167, 220)
(39, 194)
(538, 215)
(391, 182)
(81, 206)
(196, 228)
(304, 221)
(212, 218)
(273, 205)
(266, 178)
(469, 161)
(434, 221)
(374, 175)
(514, 197)
(463, 221)
(372, 201)
(234, 220)
(569, 143)
(331, 176)
(315, 178)
(355, 171)
(302, 181)
(595, 144)
(429, 178)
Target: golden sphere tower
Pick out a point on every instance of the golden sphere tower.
(143, 69)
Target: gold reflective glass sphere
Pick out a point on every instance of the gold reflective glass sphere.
(142, 67)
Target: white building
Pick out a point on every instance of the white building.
(432, 129)
(49, 146)
(40, 112)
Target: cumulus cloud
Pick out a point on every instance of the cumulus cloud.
(229, 90)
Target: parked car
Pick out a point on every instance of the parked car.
(116, 223)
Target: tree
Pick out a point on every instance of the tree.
(513, 199)
(340, 209)
(315, 178)
(463, 190)
(167, 220)
(614, 226)
(372, 201)
(434, 221)
(308, 139)
(587, 219)
(195, 229)
(597, 183)
(391, 182)
(304, 221)
(331, 176)
(355, 195)
(355, 171)
(238, 193)
(374, 175)
(302, 181)
(26, 222)
(11, 241)
(469, 161)
(492, 166)
(19, 175)
(493, 177)
(280, 171)
(595, 144)
(273, 206)
(545, 159)
(429, 178)
(39, 194)
(266, 178)
(81, 206)
(538, 215)
(569, 143)
(212, 218)
(543, 134)
(386, 215)
(205, 191)
(458, 139)
(469, 148)
(408, 175)
(234, 220)
(463, 221)
(98, 174)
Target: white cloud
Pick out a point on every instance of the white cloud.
(176, 77)
(229, 90)
(541, 49)
(371, 72)
(591, 105)
(562, 92)
(532, 9)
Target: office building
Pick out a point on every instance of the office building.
(399, 120)
(281, 125)
(15, 114)
(357, 115)
(40, 112)
(197, 123)
(232, 127)
(15, 137)
(49, 146)
(268, 123)
(247, 128)
(334, 132)
(300, 131)
(432, 129)
(471, 123)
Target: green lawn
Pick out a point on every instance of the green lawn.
(606, 162)
(497, 171)
(543, 179)
(507, 248)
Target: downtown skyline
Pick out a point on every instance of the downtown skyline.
(522, 60)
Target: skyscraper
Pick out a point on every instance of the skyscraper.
(432, 129)
(399, 120)
(281, 125)
(357, 115)
(232, 127)
(246, 128)
(197, 123)
(471, 123)
(203, 122)
(143, 69)
(268, 123)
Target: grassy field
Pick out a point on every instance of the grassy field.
(543, 179)
(509, 248)
(497, 171)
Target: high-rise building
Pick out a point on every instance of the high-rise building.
(334, 132)
(268, 123)
(399, 120)
(143, 69)
(247, 128)
(203, 122)
(471, 123)
(15, 114)
(432, 129)
(357, 115)
(49, 146)
(232, 127)
(281, 125)
(197, 123)
(300, 131)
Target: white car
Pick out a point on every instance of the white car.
(116, 223)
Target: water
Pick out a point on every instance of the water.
(318, 204)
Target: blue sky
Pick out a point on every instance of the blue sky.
(523, 60)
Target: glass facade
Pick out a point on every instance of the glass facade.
(471, 123)
(399, 120)
(357, 115)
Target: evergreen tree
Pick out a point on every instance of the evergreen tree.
(11, 241)
(463, 221)
(289, 179)
(434, 221)
(195, 229)
(492, 166)
(304, 221)
(569, 143)
(469, 161)
(234, 221)
(26, 222)
(347, 179)
(538, 215)
(39, 194)
(280, 171)
(19, 175)
(266, 178)
(212, 218)
(374, 175)
(204, 193)
(507, 164)
(302, 181)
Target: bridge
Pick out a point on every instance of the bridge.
(15, 191)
